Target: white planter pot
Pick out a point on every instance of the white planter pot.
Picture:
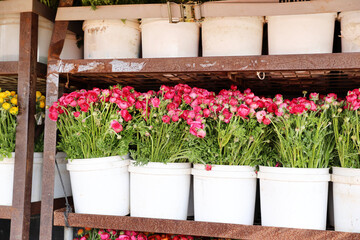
(294, 197)
(7, 179)
(350, 31)
(161, 39)
(225, 194)
(58, 190)
(301, 34)
(159, 190)
(346, 188)
(10, 35)
(100, 185)
(232, 36)
(114, 38)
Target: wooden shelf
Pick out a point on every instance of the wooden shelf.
(220, 230)
(289, 74)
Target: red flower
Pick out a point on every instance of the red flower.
(166, 119)
(53, 115)
(76, 114)
(175, 118)
(155, 102)
(266, 121)
(208, 167)
(243, 111)
(125, 115)
(84, 107)
(116, 126)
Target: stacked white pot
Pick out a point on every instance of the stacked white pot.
(10, 37)
(7, 178)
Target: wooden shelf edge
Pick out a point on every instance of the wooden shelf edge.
(264, 63)
(220, 230)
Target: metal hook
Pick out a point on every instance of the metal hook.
(262, 76)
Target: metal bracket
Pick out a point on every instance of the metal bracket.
(187, 12)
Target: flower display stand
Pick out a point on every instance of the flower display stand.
(288, 74)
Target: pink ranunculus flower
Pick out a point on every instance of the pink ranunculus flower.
(116, 126)
(175, 118)
(201, 133)
(76, 114)
(105, 236)
(155, 102)
(208, 167)
(125, 115)
(166, 119)
(260, 116)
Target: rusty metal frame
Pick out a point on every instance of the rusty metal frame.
(24, 149)
(206, 229)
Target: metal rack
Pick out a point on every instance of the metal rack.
(26, 76)
(287, 74)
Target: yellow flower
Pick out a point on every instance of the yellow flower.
(6, 106)
(1, 100)
(38, 94)
(14, 110)
(3, 95)
(13, 93)
(7, 93)
(42, 104)
(14, 101)
(42, 98)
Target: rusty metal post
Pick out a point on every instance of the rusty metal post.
(20, 218)
(52, 88)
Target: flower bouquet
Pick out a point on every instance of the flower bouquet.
(162, 125)
(95, 134)
(346, 176)
(304, 146)
(224, 173)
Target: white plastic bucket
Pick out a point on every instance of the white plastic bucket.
(161, 39)
(232, 36)
(71, 49)
(346, 188)
(114, 38)
(301, 34)
(10, 35)
(159, 190)
(58, 189)
(225, 194)
(350, 31)
(100, 185)
(7, 179)
(294, 197)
